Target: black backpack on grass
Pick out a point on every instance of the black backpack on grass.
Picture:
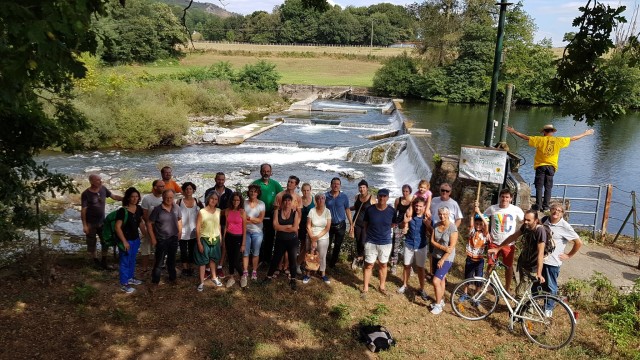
(376, 337)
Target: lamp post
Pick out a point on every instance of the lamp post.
(488, 132)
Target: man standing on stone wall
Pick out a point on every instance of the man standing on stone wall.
(93, 202)
(545, 161)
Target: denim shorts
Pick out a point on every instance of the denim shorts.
(252, 243)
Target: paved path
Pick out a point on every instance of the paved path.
(620, 267)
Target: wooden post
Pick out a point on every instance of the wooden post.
(607, 208)
(478, 194)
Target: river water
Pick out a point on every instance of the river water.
(610, 156)
(316, 146)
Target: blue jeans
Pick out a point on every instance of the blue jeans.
(550, 274)
(128, 261)
(253, 243)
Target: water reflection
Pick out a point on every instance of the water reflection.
(609, 156)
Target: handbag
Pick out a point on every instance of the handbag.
(312, 261)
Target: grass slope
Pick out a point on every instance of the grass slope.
(85, 316)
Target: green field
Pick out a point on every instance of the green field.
(317, 65)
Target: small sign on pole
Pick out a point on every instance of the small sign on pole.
(482, 164)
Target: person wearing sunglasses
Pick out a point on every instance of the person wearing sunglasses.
(445, 200)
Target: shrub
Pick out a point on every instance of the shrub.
(261, 76)
(623, 322)
(397, 77)
(83, 293)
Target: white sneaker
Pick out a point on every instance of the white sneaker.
(128, 289)
(548, 313)
(201, 287)
(402, 289)
(230, 282)
(216, 282)
(243, 280)
(134, 281)
(437, 309)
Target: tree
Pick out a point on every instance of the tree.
(339, 27)
(397, 77)
(527, 65)
(143, 32)
(592, 88)
(470, 74)
(439, 27)
(40, 44)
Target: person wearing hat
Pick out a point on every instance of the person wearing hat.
(378, 220)
(545, 161)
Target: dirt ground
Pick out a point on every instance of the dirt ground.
(619, 266)
(83, 315)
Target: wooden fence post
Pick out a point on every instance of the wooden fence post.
(607, 208)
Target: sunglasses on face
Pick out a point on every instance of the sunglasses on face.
(445, 190)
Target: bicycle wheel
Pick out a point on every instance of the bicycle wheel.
(477, 301)
(550, 330)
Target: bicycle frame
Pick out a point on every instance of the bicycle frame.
(513, 305)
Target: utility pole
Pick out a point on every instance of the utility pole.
(371, 34)
(488, 132)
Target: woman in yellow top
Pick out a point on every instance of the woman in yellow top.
(208, 239)
(545, 161)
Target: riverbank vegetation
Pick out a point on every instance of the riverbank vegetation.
(137, 110)
(595, 79)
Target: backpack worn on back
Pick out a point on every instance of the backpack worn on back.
(550, 245)
(109, 237)
(376, 337)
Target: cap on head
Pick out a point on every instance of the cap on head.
(548, 127)
(383, 192)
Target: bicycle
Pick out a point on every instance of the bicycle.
(549, 329)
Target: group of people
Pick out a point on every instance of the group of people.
(277, 226)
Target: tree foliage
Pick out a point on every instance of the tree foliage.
(457, 54)
(40, 44)
(593, 88)
(144, 31)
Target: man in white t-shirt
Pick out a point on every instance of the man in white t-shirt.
(563, 234)
(445, 200)
(504, 220)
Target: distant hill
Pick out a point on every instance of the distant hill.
(207, 7)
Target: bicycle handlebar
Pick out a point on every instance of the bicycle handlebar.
(498, 263)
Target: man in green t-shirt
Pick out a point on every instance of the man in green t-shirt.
(269, 189)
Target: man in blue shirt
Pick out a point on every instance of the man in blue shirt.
(338, 204)
(378, 220)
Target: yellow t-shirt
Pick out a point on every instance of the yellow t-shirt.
(210, 227)
(547, 149)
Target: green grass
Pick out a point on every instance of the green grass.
(323, 71)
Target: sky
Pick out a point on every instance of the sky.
(553, 17)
